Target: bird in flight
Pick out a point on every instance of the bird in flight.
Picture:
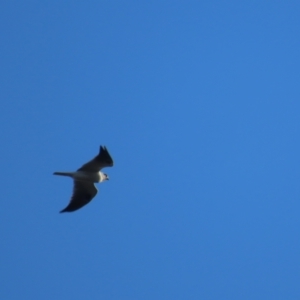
(84, 178)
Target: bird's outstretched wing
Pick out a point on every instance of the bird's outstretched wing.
(102, 160)
(83, 193)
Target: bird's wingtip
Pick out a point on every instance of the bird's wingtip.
(102, 149)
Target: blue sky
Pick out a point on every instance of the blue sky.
(198, 104)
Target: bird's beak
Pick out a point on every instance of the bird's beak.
(107, 178)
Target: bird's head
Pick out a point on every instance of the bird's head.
(103, 177)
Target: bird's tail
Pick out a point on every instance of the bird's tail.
(69, 174)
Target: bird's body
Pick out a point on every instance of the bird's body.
(85, 177)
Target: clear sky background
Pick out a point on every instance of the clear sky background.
(198, 104)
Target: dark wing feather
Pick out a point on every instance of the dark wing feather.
(83, 193)
(102, 160)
